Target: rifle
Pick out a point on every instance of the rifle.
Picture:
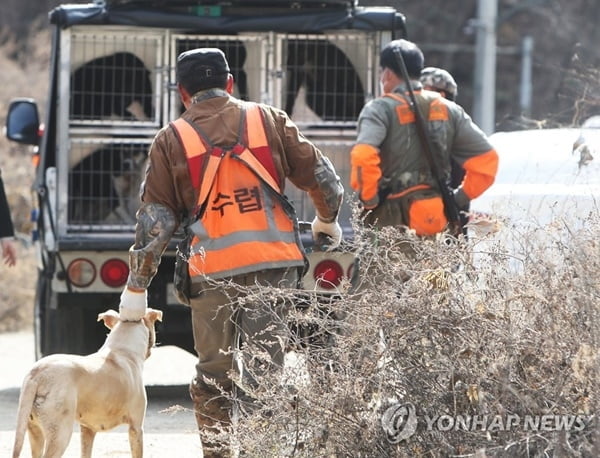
(450, 208)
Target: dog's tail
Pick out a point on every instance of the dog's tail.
(26, 399)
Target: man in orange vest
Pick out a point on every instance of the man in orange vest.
(220, 171)
(390, 171)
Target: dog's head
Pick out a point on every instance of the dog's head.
(111, 319)
(149, 319)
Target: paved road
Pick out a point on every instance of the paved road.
(169, 429)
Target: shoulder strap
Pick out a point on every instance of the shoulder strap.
(258, 145)
(203, 157)
(203, 162)
(403, 110)
(193, 146)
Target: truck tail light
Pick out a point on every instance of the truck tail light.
(81, 272)
(114, 272)
(328, 274)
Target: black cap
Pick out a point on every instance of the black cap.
(207, 62)
(412, 55)
(202, 68)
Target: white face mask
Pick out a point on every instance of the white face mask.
(382, 80)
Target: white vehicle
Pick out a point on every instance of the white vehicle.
(548, 180)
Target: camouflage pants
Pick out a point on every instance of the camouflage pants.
(220, 324)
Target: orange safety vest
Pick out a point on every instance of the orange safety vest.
(244, 222)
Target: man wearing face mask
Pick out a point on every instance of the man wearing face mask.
(390, 171)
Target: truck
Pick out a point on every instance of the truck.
(112, 86)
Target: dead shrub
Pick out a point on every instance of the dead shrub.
(21, 78)
(492, 352)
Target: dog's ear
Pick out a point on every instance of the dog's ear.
(154, 315)
(110, 317)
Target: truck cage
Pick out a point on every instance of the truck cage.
(121, 86)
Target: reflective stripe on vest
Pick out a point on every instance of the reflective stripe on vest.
(246, 225)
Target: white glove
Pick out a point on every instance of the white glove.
(333, 230)
(133, 305)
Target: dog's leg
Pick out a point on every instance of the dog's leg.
(55, 414)
(57, 439)
(87, 441)
(36, 439)
(136, 441)
(137, 409)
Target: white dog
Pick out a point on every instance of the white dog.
(100, 391)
